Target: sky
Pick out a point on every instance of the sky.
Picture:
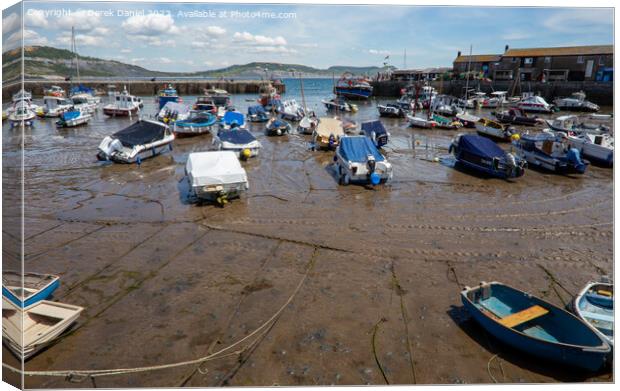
(193, 37)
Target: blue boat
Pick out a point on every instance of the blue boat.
(547, 151)
(535, 326)
(277, 127)
(199, 122)
(483, 155)
(376, 132)
(595, 306)
(168, 94)
(29, 288)
(358, 160)
(257, 114)
(232, 119)
(353, 87)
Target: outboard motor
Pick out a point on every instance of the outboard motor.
(574, 158)
(332, 140)
(107, 147)
(371, 165)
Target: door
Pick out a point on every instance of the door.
(589, 66)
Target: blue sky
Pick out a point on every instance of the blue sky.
(162, 36)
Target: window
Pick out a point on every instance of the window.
(547, 60)
(579, 59)
(601, 60)
(528, 60)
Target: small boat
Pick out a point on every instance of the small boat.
(257, 113)
(446, 123)
(238, 140)
(308, 123)
(267, 94)
(232, 119)
(598, 148)
(277, 127)
(205, 103)
(198, 122)
(516, 116)
(86, 93)
(535, 104)
(572, 124)
(83, 103)
(595, 306)
(420, 122)
(576, 102)
(291, 111)
(445, 105)
(349, 126)
(468, 120)
(353, 87)
(173, 111)
(339, 104)
(358, 160)
(327, 133)
(221, 100)
(492, 129)
(28, 288)
(123, 105)
(28, 330)
(550, 152)
(376, 132)
(141, 140)
(73, 118)
(21, 114)
(535, 326)
(22, 95)
(483, 155)
(167, 94)
(497, 99)
(216, 176)
(55, 91)
(393, 110)
(53, 106)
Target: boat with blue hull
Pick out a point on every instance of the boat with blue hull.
(535, 326)
(257, 113)
(595, 306)
(198, 122)
(167, 94)
(352, 87)
(26, 289)
(376, 132)
(277, 127)
(483, 155)
(550, 152)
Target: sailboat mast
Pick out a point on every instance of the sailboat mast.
(467, 80)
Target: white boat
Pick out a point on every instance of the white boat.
(308, 123)
(53, 106)
(468, 120)
(216, 175)
(420, 122)
(173, 111)
(84, 103)
(534, 104)
(327, 133)
(56, 91)
(573, 124)
(598, 148)
(26, 331)
(22, 95)
(595, 306)
(73, 118)
(141, 140)
(391, 110)
(291, 110)
(576, 102)
(358, 160)
(494, 129)
(123, 105)
(238, 140)
(497, 99)
(28, 288)
(21, 115)
(340, 104)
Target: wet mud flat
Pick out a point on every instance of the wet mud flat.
(365, 281)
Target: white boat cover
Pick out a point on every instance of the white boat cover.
(328, 126)
(214, 168)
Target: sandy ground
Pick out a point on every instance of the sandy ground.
(164, 280)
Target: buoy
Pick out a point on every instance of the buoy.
(375, 178)
(246, 153)
(515, 137)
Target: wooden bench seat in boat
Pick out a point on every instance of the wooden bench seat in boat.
(523, 316)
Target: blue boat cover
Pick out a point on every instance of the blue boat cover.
(69, 115)
(231, 116)
(236, 136)
(357, 149)
(480, 146)
(373, 126)
(81, 89)
(201, 119)
(258, 109)
(277, 124)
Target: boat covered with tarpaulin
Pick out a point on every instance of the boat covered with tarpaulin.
(141, 140)
(483, 155)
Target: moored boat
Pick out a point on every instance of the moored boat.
(572, 124)
(339, 104)
(53, 106)
(327, 133)
(141, 140)
(198, 122)
(28, 288)
(535, 104)
(277, 127)
(446, 123)
(594, 305)
(21, 114)
(393, 110)
(353, 87)
(216, 176)
(167, 94)
(535, 326)
(468, 120)
(516, 116)
(56, 91)
(576, 102)
(550, 152)
(358, 160)
(122, 105)
(173, 111)
(376, 132)
(489, 128)
(483, 155)
(291, 110)
(239, 140)
(257, 113)
(73, 118)
(598, 148)
(420, 122)
(308, 123)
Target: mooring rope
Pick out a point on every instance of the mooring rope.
(79, 375)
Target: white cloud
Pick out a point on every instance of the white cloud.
(258, 39)
(10, 23)
(64, 39)
(151, 24)
(164, 60)
(33, 38)
(381, 52)
(214, 31)
(308, 45)
(580, 20)
(199, 44)
(35, 18)
(80, 20)
(125, 51)
(273, 49)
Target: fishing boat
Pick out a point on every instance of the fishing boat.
(56, 91)
(417, 121)
(25, 331)
(358, 160)
(308, 123)
(572, 124)
(550, 152)
(141, 140)
(53, 106)
(327, 133)
(446, 123)
(85, 93)
(353, 87)
(595, 306)
(122, 105)
(393, 110)
(198, 122)
(576, 102)
(492, 129)
(257, 113)
(277, 127)
(173, 111)
(597, 148)
(376, 132)
(516, 116)
(83, 103)
(73, 118)
(483, 155)
(535, 326)
(340, 104)
(28, 288)
(167, 94)
(291, 111)
(238, 140)
(535, 104)
(21, 114)
(216, 176)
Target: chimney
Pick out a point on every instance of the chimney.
(506, 48)
(458, 54)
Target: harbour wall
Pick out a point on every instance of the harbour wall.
(597, 92)
(143, 87)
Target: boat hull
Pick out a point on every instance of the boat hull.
(353, 93)
(118, 112)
